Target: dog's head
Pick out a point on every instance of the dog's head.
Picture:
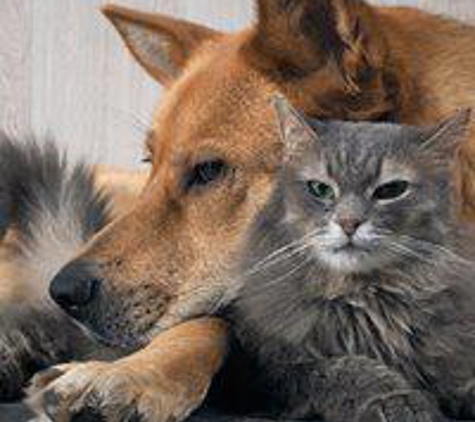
(214, 152)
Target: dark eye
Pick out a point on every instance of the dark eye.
(321, 191)
(391, 190)
(205, 173)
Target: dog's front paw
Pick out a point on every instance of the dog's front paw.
(112, 392)
(407, 406)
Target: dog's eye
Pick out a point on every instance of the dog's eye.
(205, 173)
(147, 159)
(391, 191)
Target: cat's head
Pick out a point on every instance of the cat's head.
(364, 195)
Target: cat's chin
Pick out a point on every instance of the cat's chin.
(351, 260)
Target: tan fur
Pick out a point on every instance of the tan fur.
(13, 287)
(170, 390)
(124, 186)
(178, 249)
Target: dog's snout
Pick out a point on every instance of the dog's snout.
(75, 286)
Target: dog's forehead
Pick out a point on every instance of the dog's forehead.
(219, 100)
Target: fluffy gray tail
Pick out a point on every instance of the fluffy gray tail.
(36, 179)
(55, 208)
(51, 209)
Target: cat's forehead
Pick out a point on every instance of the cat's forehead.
(364, 151)
(358, 140)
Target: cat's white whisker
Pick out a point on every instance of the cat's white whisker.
(284, 252)
(435, 247)
(291, 271)
(280, 259)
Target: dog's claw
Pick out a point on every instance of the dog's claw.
(105, 391)
(43, 378)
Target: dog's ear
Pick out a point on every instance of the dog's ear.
(161, 44)
(303, 35)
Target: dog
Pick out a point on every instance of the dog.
(214, 153)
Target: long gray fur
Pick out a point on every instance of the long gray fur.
(389, 342)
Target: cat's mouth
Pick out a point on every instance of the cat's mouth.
(351, 247)
(351, 257)
(351, 250)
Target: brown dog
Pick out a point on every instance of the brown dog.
(214, 154)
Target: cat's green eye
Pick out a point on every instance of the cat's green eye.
(322, 191)
(391, 191)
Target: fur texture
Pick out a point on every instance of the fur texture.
(372, 320)
(332, 58)
(48, 210)
(175, 249)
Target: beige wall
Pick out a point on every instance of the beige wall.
(63, 70)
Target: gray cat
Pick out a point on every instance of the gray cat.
(359, 296)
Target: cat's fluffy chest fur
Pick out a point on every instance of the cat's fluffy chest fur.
(383, 316)
(296, 324)
(380, 324)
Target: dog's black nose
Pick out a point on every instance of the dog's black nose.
(75, 286)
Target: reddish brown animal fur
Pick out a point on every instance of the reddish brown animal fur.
(173, 253)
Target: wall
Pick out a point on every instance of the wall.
(63, 70)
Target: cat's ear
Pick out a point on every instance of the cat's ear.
(161, 44)
(442, 141)
(299, 36)
(294, 131)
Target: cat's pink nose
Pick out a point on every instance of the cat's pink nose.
(349, 225)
